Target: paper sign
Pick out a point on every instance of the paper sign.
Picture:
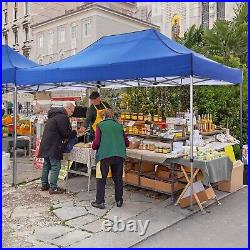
(230, 153)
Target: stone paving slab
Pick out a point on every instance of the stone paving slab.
(95, 226)
(68, 203)
(49, 233)
(43, 245)
(81, 221)
(85, 196)
(98, 240)
(128, 210)
(99, 212)
(70, 238)
(67, 213)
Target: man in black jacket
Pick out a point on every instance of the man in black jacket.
(57, 130)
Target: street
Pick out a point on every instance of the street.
(225, 226)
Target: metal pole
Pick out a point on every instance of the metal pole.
(191, 140)
(241, 108)
(15, 138)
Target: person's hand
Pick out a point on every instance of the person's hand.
(81, 130)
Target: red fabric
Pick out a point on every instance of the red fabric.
(97, 140)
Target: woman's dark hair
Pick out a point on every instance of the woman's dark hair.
(94, 95)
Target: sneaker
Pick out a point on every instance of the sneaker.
(45, 188)
(119, 203)
(98, 205)
(57, 191)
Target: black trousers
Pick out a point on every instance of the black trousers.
(116, 164)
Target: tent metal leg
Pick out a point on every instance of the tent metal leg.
(191, 140)
(241, 108)
(15, 138)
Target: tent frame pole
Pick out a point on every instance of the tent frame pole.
(241, 110)
(191, 159)
(14, 182)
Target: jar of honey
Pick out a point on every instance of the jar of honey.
(134, 117)
(160, 119)
(123, 116)
(165, 150)
(127, 116)
(160, 150)
(156, 118)
(140, 117)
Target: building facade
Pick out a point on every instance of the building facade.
(50, 31)
(174, 18)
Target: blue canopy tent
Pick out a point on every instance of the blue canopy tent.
(143, 58)
(11, 62)
(137, 55)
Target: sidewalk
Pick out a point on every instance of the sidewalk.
(32, 218)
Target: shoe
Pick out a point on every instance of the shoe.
(57, 191)
(119, 203)
(45, 188)
(98, 205)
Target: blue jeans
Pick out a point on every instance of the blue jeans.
(53, 165)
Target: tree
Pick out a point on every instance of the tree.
(193, 38)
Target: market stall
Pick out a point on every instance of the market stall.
(145, 58)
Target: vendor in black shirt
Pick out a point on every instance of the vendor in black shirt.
(95, 111)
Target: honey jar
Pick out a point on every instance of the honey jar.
(123, 116)
(160, 119)
(140, 117)
(134, 117)
(160, 150)
(156, 118)
(165, 150)
(127, 116)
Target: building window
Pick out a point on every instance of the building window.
(221, 11)
(50, 42)
(205, 15)
(16, 37)
(26, 9)
(26, 34)
(40, 61)
(73, 36)
(15, 11)
(73, 31)
(62, 35)
(5, 38)
(40, 41)
(86, 28)
(5, 16)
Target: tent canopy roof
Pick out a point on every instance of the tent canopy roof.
(11, 61)
(136, 55)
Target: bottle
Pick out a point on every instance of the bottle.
(199, 123)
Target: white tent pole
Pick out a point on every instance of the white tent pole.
(191, 140)
(241, 108)
(15, 138)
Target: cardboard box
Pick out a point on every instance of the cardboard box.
(131, 178)
(161, 186)
(167, 186)
(147, 182)
(202, 193)
(145, 167)
(162, 174)
(236, 181)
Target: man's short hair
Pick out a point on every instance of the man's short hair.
(94, 95)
